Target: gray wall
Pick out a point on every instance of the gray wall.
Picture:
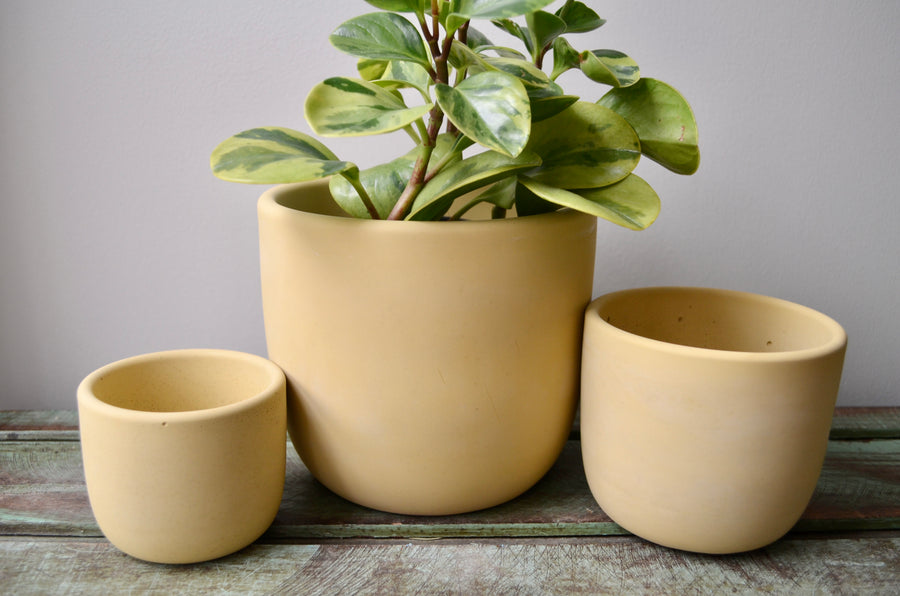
(116, 240)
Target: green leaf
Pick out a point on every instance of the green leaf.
(491, 9)
(543, 28)
(476, 39)
(565, 57)
(513, 28)
(463, 176)
(370, 69)
(274, 155)
(417, 6)
(501, 194)
(491, 108)
(498, 9)
(342, 107)
(548, 101)
(528, 203)
(385, 183)
(530, 75)
(381, 36)
(405, 74)
(579, 18)
(584, 147)
(663, 120)
(610, 67)
(630, 203)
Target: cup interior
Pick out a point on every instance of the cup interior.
(182, 381)
(719, 320)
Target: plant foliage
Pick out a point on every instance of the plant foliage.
(531, 146)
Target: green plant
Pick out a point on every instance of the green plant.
(541, 148)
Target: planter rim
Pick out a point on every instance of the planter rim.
(269, 200)
(87, 398)
(836, 341)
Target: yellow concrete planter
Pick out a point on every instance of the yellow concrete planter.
(184, 452)
(432, 366)
(705, 413)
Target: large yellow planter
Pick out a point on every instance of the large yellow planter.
(705, 413)
(432, 366)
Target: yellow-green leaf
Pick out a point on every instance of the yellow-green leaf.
(663, 120)
(347, 107)
(630, 203)
(272, 155)
(491, 108)
(584, 146)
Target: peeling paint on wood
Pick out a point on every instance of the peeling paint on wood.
(552, 539)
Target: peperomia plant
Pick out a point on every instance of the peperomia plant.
(449, 88)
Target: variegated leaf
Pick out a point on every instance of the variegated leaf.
(342, 107)
(610, 67)
(548, 101)
(385, 183)
(498, 9)
(543, 28)
(417, 6)
(579, 18)
(584, 147)
(516, 30)
(663, 120)
(491, 108)
(502, 194)
(370, 69)
(565, 57)
(630, 203)
(491, 9)
(382, 36)
(464, 176)
(529, 74)
(274, 155)
(405, 74)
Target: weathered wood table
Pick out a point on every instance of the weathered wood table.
(553, 539)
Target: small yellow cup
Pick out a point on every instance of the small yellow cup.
(184, 451)
(705, 413)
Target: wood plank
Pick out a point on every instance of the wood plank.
(839, 565)
(38, 425)
(42, 493)
(866, 423)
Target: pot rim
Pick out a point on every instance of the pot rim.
(86, 396)
(836, 341)
(269, 201)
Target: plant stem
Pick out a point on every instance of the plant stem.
(440, 74)
(417, 179)
(363, 195)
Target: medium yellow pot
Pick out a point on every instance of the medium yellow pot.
(432, 366)
(705, 413)
(184, 452)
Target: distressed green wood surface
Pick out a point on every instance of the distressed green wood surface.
(866, 423)
(611, 565)
(42, 494)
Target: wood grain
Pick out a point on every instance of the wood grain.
(554, 539)
(612, 565)
(42, 493)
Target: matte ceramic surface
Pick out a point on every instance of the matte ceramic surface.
(432, 366)
(184, 452)
(705, 413)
